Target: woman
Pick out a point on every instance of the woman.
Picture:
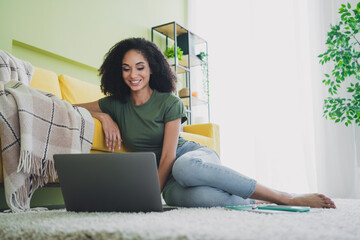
(142, 111)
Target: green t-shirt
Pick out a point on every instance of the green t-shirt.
(142, 127)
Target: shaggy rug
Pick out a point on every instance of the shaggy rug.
(186, 223)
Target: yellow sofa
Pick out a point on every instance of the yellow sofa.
(77, 91)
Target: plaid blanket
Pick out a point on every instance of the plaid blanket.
(34, 125)
(12, 68)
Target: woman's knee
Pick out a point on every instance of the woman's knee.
(185, 168)
(193, 164)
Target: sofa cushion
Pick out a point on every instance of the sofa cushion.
(77, 91)
(46, 80)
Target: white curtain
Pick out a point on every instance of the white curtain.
(266, 93)
(337, 146)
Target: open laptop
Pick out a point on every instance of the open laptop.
(109, 182)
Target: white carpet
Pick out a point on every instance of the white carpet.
(195, 223)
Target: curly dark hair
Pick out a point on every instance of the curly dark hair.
(112, 83)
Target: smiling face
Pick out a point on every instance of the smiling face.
(136, 71)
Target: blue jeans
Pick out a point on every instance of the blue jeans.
(199, 180)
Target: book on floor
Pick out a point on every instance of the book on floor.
(272, 208)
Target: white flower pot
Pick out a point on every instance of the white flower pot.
(171, 61)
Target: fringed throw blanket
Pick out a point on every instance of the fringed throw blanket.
(34, 125)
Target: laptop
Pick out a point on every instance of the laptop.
(109, 182)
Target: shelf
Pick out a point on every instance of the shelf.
(180, 69)
(194, 60)
(197, 39)
(183, 65)
(194, 101)
(173, 34)
(168, 30)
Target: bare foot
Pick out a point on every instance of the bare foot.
(314, 200)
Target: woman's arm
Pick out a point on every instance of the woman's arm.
(90, 106)
(110, 128)
(171, 136)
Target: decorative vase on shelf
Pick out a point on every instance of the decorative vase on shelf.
(171, 61)
(184, 92)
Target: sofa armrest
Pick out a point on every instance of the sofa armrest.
(209, 130)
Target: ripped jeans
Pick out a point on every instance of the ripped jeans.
(199, 180)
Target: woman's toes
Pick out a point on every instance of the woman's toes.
(328, 203)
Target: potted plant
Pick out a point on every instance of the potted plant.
(343, 53)
(170, 54)
(205, 74)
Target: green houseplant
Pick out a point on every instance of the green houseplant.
(205, 74)
(170, 53)
(343, 54)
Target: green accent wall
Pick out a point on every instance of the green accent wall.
(71, 37)
(59, 64)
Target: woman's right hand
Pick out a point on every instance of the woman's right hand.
(111, 131)
(110, 128)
